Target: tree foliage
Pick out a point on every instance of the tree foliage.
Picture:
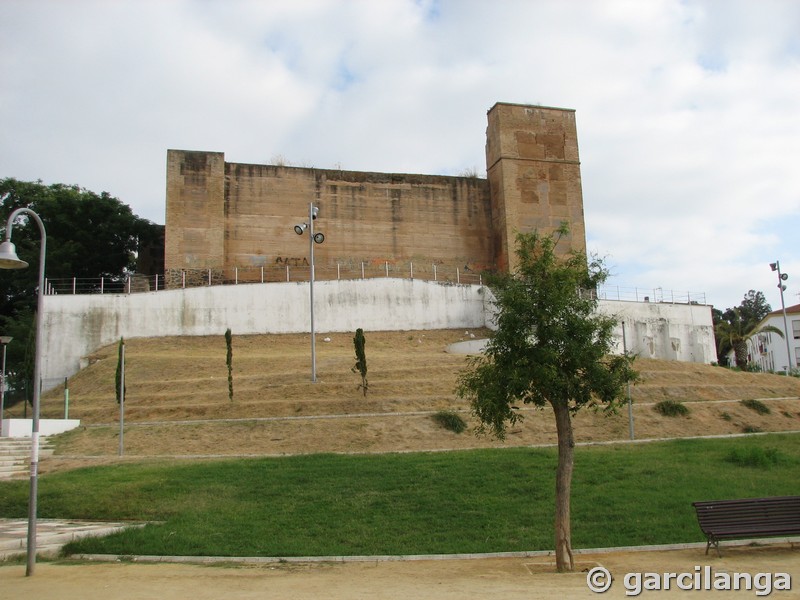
(119, 387)
(734, 327)
(551, 348)
(229, 361)
(88, 236)
(359, 343)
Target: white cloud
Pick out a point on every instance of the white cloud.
(687, 113)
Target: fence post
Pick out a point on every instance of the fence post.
(209, 276)
(387, 267)
(262, 274)
(183, 279)
(434, 272)
(156, 281)
(362, 269)
(412, 270)
(338, 272)
(128, 283)
(287, 273)
(66, 398)
(102, 284)
(458, 276)
(74, 284)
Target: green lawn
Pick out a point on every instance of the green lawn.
(471, 501)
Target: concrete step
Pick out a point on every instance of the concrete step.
(15, 456)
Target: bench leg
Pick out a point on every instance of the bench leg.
(714, 543)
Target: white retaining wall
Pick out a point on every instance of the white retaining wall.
(77, 325)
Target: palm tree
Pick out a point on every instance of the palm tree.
(735, 331)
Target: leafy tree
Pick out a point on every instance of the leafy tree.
(359, 342)
(88, 236)
(735, 330)
(551, 348)
(735, 326)
(229, 361)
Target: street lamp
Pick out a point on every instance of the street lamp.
(776, 266)
(5, 340)
(313, 238)
(10, 260)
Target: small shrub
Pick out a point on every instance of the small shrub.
(727, 416)
(751, 429)
(450, 420)
(755, 457)
(671, 408)
(757, 406)
(786, 413)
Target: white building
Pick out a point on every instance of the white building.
(769, 350)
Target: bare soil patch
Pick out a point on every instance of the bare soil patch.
(177, 401)
(507, 578)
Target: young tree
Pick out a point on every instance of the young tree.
(229, 361)
(551, 348)
(359, 342)
(118, 373)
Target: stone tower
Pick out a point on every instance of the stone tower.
(534, 176)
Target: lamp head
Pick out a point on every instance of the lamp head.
(773, 266)
(9, 258)
(299, 229)
(314, 212)
(784, 276)
(5, 339)
(319, 237)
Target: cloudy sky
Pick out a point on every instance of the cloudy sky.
(688, 111)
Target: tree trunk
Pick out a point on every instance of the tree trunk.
(566, 447)
(740, 353)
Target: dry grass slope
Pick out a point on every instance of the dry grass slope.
(177, 400)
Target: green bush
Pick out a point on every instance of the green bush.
(727, 416)
(450, 420)
(755, 457)
(751, 429)
(757, 406)
(671, 408)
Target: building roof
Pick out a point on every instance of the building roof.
(790, 310)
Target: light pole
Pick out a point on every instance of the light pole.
(776, 266)
(10, 260)
(5, 340)
(313, 238)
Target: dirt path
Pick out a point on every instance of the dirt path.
(502, 578)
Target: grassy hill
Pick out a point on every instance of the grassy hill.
(177, 399)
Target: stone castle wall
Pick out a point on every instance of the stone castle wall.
(223, 216)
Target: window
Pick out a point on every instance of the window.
(796, 329)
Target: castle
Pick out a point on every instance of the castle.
(222, 216)
(233, 223)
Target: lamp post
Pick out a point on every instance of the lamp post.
(776, 266)
(313, 238)
(5, 340)
(10, 260)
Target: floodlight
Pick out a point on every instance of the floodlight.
(299, 229)
(319, 237)
(784, 276)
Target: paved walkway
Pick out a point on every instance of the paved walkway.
(51, 534)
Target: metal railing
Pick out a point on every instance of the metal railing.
(444, 274)
(188, 278)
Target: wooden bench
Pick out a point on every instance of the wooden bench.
(748, 518)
